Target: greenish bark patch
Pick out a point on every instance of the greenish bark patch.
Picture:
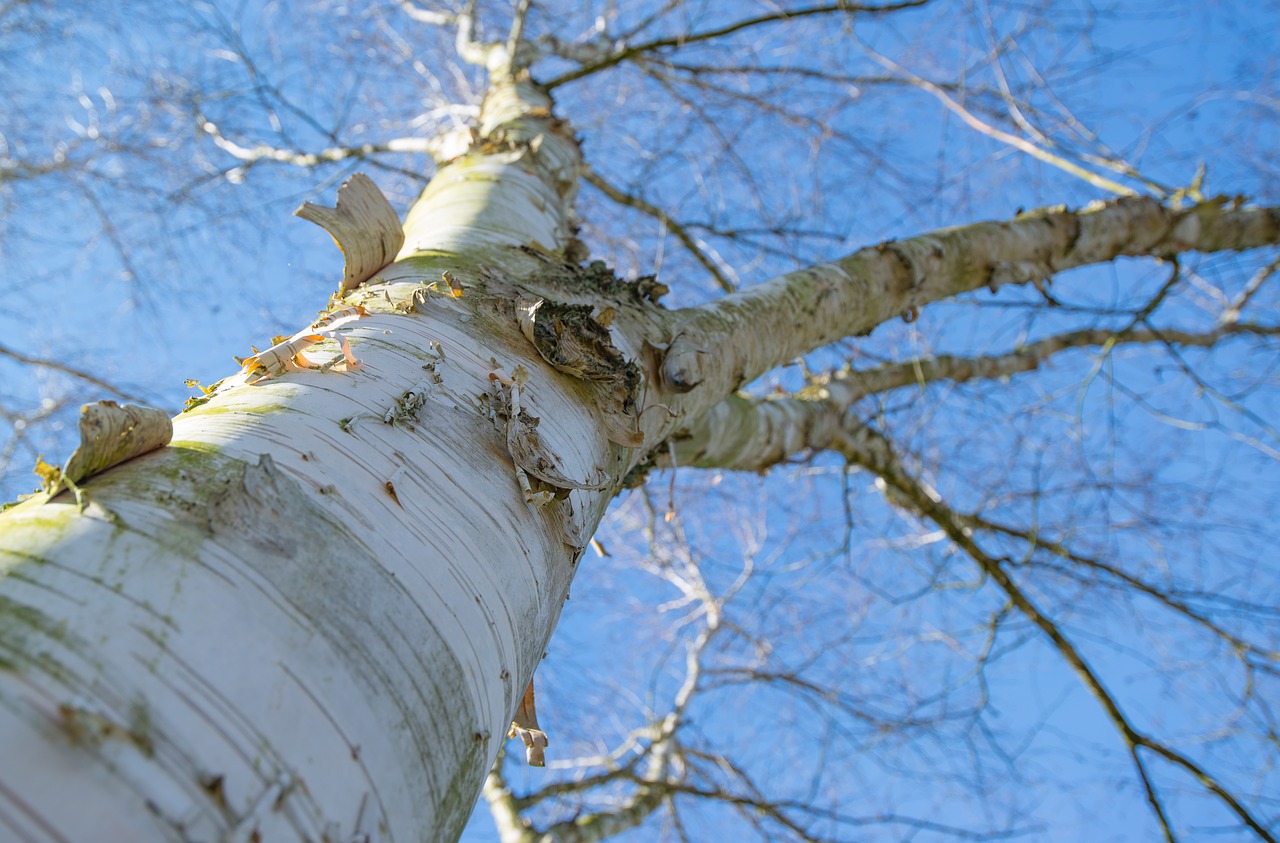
(23, 629)
(237, 404)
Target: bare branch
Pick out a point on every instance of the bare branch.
(469, 48)
(427, 16)
(297, 158)
(1026, 359)
(622, 52)
(852, 295)
(872, 451)
(504, 808)
(78, 374)
(696, 248)
(1270, 659)
(743, 433)
(1232, 314)
(515, 38)
(1022, 144)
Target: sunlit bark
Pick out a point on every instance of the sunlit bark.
(311, 615)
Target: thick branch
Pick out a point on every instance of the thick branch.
(427, 16)
(852, 295)
(595, 827)
(744, 433)
(504, 807)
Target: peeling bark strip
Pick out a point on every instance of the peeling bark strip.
(525, 726)
(363, 224)
(287, 355)
(812, 307)
(109, 435)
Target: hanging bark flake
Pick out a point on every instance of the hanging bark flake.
(287, 356)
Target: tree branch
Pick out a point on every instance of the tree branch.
(872, 451)
(746, 433)
(777, 811)
(681, 233)
(1270, 658)
(297, 158)
(852, 295)
(1037, 151)
(72, 371)
(660, 764)
(504, 807)
(621, 52)
(421, 15)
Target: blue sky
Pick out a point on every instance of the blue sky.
(215, 264)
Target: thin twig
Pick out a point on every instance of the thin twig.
(624, 53)
(676, 228)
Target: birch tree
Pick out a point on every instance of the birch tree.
(311, 606)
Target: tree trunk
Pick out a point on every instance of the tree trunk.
(311, 616)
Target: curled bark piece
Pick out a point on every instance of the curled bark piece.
(109, 435)
(529, 453)
(525, 726)
(363, 224)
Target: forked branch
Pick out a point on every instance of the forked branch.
(874, 452)
(745, 433)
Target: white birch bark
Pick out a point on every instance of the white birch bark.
(299, 621)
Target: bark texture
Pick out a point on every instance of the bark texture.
(310, 617)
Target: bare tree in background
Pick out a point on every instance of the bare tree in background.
(1009, 572)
